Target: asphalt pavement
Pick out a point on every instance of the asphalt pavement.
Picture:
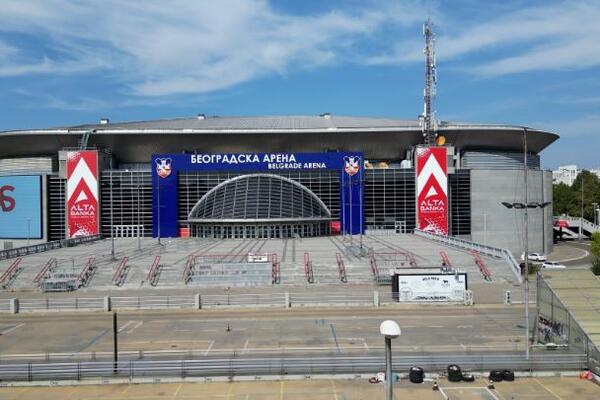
(425, 330)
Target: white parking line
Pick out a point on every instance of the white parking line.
(469, 388)
(212, 342)
(9, 330)
(122, 328)
(139, 323)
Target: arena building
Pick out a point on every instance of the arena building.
(270, 177)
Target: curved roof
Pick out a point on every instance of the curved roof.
(259, 198)
(378, 138)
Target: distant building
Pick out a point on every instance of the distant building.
(568, 173)
(565, 174)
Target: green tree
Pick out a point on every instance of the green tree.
(567, 199)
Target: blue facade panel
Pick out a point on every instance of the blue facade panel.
(20, 207)
(166, 167)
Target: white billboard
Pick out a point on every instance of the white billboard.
(429, 287)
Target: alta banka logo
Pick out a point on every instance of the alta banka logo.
(432, 186)
(7, 203)
(82, 193)
(163, 167)
(351, 165)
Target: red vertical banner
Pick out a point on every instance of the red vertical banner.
(432, 189)
(82, 193)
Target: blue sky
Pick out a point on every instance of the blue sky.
(532, 63)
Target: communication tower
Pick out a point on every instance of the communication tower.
(427, 119)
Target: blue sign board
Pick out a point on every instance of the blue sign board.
(20, 207)
(165, 168)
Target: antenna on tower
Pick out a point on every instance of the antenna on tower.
(427, 119)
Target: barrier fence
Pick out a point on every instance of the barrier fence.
(198, 301)
(39, 248)
(239, 366)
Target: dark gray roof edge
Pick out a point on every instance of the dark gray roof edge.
(329, 125)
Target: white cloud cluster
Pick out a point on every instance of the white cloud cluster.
(557, 35)
(158, 48)
(162, 48)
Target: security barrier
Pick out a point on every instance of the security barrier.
(364, 298)
(39, 248)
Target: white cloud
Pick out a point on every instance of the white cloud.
(550, 37)
(163, 48)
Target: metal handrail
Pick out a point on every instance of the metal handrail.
(153, 271)
(341, 268)
(445, 259)
(308, 270)
(275, 269)
(44, 270)
(10, 272)
(86, 271)
(187, 271)
(118, 275)
(487, 275)
(487, 250)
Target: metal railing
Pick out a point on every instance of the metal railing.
(39, 248)
(10, 273)
(197, 301)
(341, 268)
(490, 251)
(240, 366)
(485, 271)
(119, 274)
(308, 268)
(154, 272)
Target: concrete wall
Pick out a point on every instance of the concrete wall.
(496, 225)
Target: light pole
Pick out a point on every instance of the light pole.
(139, 229)
(581, 219)
(112, 229)
(158, 206)
(390, 330)
(594, 206)
(28, 230)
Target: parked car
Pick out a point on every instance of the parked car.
(553, 265)
(540, 257)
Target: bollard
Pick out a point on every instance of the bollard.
(14, 306)
(107, 304)
(197, 301)
(288, 301)
(376, 302)
(468, 297)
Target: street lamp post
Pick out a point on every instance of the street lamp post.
(139, 228)
(526, 206)
(112, 228)
(158, 207)
(28, 230)
(390, 330)
(594, 206)
(581, 219)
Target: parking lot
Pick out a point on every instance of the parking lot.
(254, 332)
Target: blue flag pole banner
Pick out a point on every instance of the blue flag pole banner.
(165, 169)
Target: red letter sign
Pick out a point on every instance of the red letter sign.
(82, 193)
(6, 202)
(432, 190)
